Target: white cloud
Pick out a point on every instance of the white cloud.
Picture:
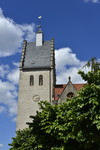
(64, 56)
(1, 145)
(13, 76)
(4, 69)
(12, 35)
(93, 1)
(9, 90)
(2, 109)
(8, 97)
(67, 64)
(16, 64)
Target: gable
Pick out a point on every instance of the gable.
(62, 90)
(70, 88)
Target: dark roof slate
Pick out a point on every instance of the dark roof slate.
(37, 57)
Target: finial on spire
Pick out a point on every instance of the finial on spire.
(39, 17)
(69, 78)
(39, 34)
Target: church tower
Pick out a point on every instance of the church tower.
(37, 77)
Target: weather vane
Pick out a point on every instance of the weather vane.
(39, 17)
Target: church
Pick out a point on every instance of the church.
(37, 80)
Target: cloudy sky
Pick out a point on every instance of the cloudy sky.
(75, 26)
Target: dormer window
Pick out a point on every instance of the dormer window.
(31, 80)
(40, 80)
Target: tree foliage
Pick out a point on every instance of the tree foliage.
(93, 63)
(24, 140)
(74, 124)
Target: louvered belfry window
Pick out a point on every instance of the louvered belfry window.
(40, 80)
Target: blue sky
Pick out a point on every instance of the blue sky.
(75, 26)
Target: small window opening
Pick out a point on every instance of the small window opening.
(40, 80)
(31, 80)
(70, 95)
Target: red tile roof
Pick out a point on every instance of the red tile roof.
(60, 87)
(79, 86)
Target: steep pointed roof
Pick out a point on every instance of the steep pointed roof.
(37, 56)
(34, 57)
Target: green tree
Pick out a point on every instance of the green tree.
(87, 110)
(93, 63)
(74, 124)
(24, 140)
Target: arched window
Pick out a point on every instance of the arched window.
(70, 95)
(40, 80)
(31, 80)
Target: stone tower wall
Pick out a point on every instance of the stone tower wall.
(29, 96)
